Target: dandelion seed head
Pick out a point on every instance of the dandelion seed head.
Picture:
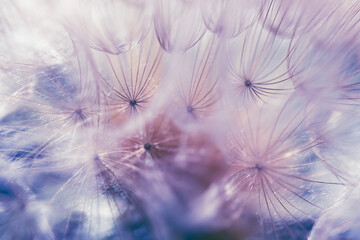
(274, 171)
(269, 79)
(181, 119)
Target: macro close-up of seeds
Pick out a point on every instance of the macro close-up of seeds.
(179, 120)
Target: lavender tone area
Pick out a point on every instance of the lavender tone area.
(179, 119)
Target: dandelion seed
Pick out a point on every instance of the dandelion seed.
(179, 119)
(273, 172)
(110, 26)
(321, 72)
(155, 142)
(228, 18)
(172, 22)
(99, 187)
(340, 24)
(58, 96)
(288, 18)
(132, 79)
(196, 85)
(256, 66)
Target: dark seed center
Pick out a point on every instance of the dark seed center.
(96, 158)
(190, 109)
(80, 115)
(133, 103)
(259, 167)
(147, 146)
(248, 83)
